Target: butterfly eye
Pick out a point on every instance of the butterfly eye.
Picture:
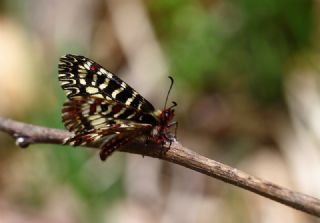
(167, 114)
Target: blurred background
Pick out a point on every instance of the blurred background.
(246, 83)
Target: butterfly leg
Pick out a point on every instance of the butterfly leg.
(175, 124)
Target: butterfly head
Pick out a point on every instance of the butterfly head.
(160, 132)
(167, 115)
(165, 118)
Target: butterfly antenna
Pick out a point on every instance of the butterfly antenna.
(172, 81)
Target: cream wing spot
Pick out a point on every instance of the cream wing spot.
(85, 107)
(82, 71)
(83, 81)
(120, 112)
(102, 125)
(123, 85)
(92, 90)
(109, 110)
(131, 116)
(103, 71)
(67, 82)
(94, 117)
(129, 100)
(72, 90)
(109, 75)
(115, 92)
(98, 109)
(103, 86)
(98, 96)
(98, 121)
(83, 75)
(87, 65)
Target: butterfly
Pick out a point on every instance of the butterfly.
(102, 109)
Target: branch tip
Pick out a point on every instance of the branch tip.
(22, 142)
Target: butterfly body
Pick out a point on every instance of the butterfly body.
(101, 108)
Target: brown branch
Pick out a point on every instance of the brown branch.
(26, 134)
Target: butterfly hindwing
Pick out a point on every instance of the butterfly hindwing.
(109, 138)
(81, 114)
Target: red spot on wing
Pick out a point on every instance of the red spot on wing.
(116, 108)
(92, 108)
(93, 68)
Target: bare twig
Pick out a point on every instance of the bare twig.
(26, 134)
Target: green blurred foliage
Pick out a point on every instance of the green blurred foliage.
(219, 44)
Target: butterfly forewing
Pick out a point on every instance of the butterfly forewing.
(80, 76)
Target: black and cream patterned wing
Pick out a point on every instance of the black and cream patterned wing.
(99, 136)
(105, 123)
(80, 76)
(81, 114)
(110, 138)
